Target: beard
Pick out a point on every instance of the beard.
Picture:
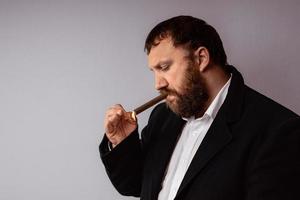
(192, 101)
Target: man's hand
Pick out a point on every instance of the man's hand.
(118, 124)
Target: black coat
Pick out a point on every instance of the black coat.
(251, 151)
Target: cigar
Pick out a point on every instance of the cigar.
(147, 105)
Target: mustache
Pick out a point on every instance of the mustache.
(166, 91)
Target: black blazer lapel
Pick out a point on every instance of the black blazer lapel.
(161, 153)
(217, 137)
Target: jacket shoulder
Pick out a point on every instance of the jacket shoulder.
(264, 106)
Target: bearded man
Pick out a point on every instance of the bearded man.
(213, 138)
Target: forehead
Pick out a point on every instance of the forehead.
(165, 51)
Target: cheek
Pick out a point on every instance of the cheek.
(176, 77)
(180, 78)
(180, 84)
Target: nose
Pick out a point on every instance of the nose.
(160, 82)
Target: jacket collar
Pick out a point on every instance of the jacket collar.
(233, 104)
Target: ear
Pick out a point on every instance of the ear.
(202, 58)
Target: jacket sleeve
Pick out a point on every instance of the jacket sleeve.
(275, 170)
(123, 164)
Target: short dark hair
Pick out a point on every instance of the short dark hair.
(191, 32)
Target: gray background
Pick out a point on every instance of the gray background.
(62, 63)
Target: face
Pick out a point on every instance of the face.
(178, 76)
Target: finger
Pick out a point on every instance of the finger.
(113, 114)
(111, 122)
(115, 109)
(114, 120)
(110, 130)
(119, 106)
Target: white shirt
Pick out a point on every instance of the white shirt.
(187, 145)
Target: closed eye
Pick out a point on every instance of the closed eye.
(164, 67)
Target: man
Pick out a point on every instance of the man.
(214, 138)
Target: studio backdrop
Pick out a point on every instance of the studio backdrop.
(63, 63)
